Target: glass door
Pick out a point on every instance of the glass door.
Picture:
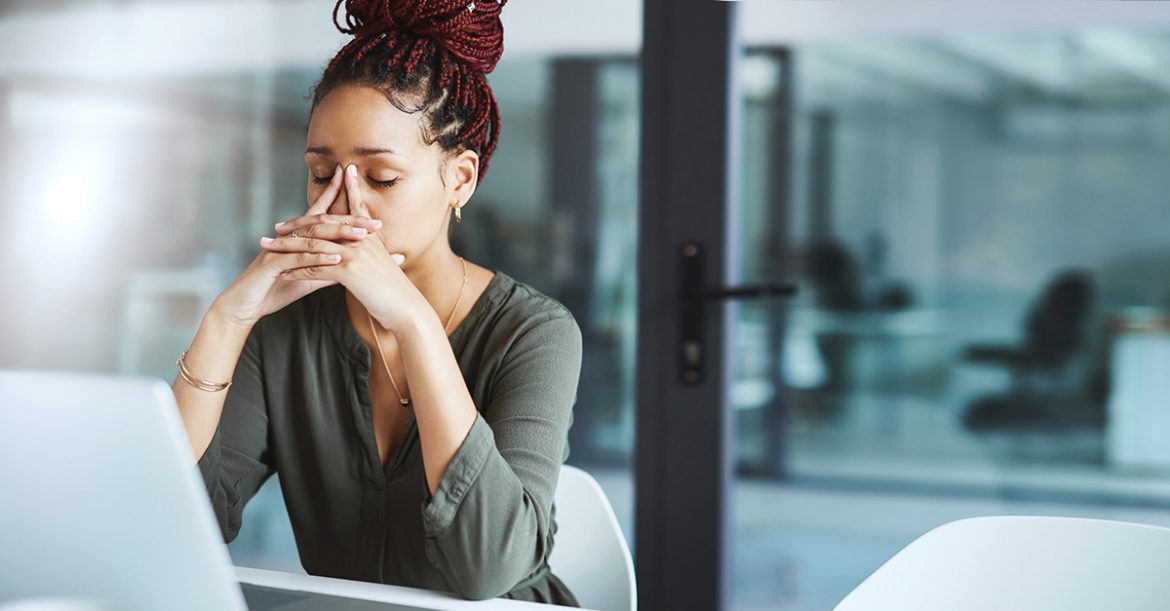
(970, 213)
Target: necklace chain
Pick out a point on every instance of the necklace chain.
(405, 401)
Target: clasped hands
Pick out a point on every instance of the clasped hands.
(352, 253)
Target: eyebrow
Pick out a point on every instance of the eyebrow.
(361, 151)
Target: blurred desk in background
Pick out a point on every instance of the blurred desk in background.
(1138, 416)
(867, 351)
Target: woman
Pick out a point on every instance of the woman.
(415, 405)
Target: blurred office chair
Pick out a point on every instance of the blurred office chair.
(1055, 334)
(590, 554)
(1023, 564)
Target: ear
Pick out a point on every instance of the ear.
(464, 170)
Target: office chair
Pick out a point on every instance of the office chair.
(1010, 563)
(590, 554)
(1054, 335)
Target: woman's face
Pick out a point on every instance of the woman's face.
(407, 184)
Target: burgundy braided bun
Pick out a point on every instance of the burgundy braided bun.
(430, 57)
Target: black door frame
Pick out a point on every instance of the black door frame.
(688, 182)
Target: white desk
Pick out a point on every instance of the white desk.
(379, 592)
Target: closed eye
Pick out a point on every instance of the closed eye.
(383, 184)
(378, 184)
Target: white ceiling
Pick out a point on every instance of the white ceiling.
(788, 21)
(967, 44)
(145, 37)
(185, 37)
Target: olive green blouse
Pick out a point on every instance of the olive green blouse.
(299, 406)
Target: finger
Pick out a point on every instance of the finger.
(307, 245)
(286, 262)
(321, 204)
(353, 191)
(314, 272)
(309, 285)
(288, 226)
(328, 231)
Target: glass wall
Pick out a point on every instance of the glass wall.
(137, 179)
(971, 212)
(975, 219)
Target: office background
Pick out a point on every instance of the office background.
(971, 200)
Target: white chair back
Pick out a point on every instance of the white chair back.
(590, 553)
(1024, 564)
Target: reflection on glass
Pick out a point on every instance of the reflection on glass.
(974, 219)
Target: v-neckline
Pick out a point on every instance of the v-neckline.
(363, 356)
(400, 451)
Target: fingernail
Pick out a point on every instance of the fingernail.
(279, 225)
(357, 230)
(352, 169)
(376, 224)
(333, 258)
(398, 258)
(265, 240)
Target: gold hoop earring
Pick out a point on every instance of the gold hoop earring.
(458, 214)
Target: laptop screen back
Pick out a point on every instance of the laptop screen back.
(100, 497)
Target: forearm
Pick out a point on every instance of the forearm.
(488, 521)
(444, 409)
(484, 529)
(212, 356)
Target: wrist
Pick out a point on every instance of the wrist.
(223, 320)
(422, 323)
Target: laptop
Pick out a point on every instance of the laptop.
(100, 501)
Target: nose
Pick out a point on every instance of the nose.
(340, 204)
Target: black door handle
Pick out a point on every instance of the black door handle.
(696, 295)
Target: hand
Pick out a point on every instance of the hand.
(264, 287)
(334, 227)
(367, 268)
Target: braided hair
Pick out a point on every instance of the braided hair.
(430, 57)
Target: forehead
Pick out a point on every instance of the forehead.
(353, 115)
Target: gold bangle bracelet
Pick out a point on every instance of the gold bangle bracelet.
(196, 382)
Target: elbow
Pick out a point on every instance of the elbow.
(500, 568)
(227, 516)
(475, 576)
(229, 524)
(480, 593)
(492, 566)
(483, 587)
(503, 577)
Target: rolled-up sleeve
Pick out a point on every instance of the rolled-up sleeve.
(488, 526)
(239, 459)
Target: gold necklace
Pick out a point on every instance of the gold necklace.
(404, 400)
